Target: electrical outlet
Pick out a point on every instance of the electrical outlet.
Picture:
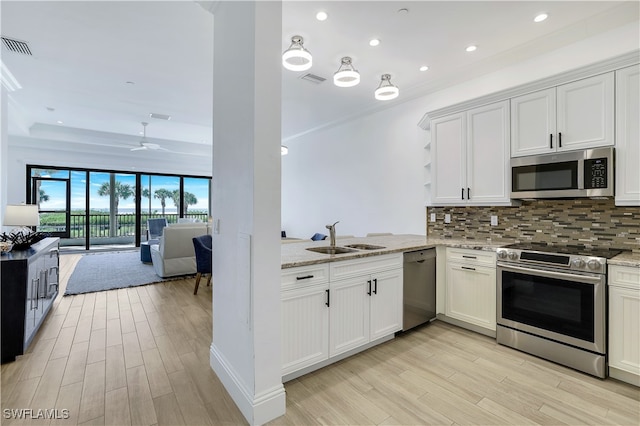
(433, 217)
(447, 218)
(494, 220)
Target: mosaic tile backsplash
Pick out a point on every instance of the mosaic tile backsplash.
(597, 223)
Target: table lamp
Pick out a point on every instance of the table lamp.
(22, 216)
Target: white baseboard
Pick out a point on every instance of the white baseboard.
(625, 376)
(257, 409)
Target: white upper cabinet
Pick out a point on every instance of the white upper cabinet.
(572, 116)
(628, 136)
(448, 161)
(470, 157)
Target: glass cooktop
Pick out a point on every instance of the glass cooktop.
(575, 250)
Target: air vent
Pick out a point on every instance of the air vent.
(316, 79)
(17, 46)
(160, 116)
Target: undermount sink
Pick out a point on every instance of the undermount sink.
(331, 250)
(364, 246)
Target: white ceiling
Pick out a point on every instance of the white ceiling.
(85, 52)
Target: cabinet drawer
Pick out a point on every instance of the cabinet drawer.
(469, 256)
(624, 276)
(304, 276)
(367, 265)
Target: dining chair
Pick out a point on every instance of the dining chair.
(202, 246)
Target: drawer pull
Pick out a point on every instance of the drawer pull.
(328, 302)
(467, 268)
(375, 286)
(469, 257)
(304, 278)
(369, 292)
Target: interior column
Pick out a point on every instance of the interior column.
(245, 352)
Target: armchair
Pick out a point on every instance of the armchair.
(155, 227)
(203, 249)
(174, 254)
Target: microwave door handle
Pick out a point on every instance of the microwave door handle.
(581, 174)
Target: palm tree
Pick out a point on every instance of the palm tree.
(162, 194)
(189, 200)
(42, 196)
(122, 191)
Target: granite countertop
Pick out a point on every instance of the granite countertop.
(626, 258)
(295, 254)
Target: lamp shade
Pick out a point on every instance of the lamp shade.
(21, 215)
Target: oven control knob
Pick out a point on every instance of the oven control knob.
(513, 255)
(594, 264)
(502, 254)
(578, 263)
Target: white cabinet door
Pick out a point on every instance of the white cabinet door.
(305, 327)
(487, 153)
(386, 303)
(533, 123)
(628, 136)
(471, 294)
(624, 329)
(349, 313)
(447, 164)
(585, 113)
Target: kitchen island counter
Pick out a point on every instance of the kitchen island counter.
(296, 253)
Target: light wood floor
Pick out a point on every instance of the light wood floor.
(141, 356)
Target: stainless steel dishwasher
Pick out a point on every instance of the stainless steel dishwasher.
(419, 287)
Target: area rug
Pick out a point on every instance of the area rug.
(106, 271)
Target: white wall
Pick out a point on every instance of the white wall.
(369, 174)
(23, 151)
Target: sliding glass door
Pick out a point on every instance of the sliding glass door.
(95, 209)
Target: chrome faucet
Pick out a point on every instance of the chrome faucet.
(332, 234)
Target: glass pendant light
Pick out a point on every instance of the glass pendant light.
(386, 90)
(296, 57)
(346, 76)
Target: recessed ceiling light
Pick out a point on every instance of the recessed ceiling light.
(403, 11)
(129, 82)
(322, 16)
(374, 42)
(541, 17)
(60, 122)
(471, 48)
(424, 68)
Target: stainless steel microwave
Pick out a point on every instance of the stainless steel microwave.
(586, 173)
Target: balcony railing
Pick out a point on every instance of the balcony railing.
(100, 225)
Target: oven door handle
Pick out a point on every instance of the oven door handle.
(583, 278)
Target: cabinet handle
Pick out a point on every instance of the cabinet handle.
(37, 291)
(328, 302)
(54, 252)
(375, 286)
(468, 194)
(560, 139)
(33, 285)
(551, 140)
(369, 292)
(462, 193)
(469, 257)
(467, 268)
(304, 278)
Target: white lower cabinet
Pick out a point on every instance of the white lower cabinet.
(624, 323)
(305, 327)
(331, 309)
(364, 308)
(471, 287)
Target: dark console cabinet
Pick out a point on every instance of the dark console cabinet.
(28, 288)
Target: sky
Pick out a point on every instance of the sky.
(56, 190)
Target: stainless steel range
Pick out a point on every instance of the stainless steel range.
(552, 303)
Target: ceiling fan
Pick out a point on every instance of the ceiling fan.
(144, 145)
